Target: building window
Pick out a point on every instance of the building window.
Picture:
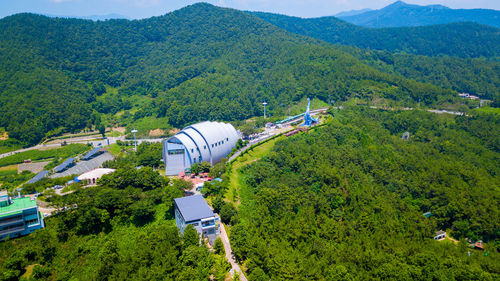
(175, 151)
(33, 221)
(227, 139)
(194, 160)
(192, 150)
(212, 145)
(204, 147)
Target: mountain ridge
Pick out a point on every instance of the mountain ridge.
(197, 63)
(401, 14)
(454, 39)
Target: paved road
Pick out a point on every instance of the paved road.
(235, 267)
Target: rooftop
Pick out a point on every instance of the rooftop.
(440, 232)
(64, 165)
(193, 208)
(39, 176)
(17, 205)
(91, 153)
(95, 174)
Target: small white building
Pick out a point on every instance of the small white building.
(91, 177)
(440, 235)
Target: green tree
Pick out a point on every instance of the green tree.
(190, 236)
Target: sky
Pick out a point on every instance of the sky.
(136, 9)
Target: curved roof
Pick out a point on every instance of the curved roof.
(210, 140)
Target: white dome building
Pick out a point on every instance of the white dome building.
(205, 141)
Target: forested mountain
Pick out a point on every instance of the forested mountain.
(476, 76)
(464, 39)
(346, 201)
(402, 14)
(200, 62)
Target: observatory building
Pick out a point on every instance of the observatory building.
(205, 141)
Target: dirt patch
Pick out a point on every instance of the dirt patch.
(4, 135)
(119, 129)
(174, 131)
(36, 167)
(156, 133)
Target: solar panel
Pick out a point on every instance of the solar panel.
(91, 153)
(38, 177)
(64, 165)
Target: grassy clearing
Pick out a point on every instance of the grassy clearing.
(63, 152)
(236, 177)
(9, 145)
(301, 106)
(488, 110)
(9, 168)
(115, 149)
(146, 124)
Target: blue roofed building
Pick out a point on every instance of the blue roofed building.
(64, 165)
(18, 216)
(94, 152)
(194, 210)
(39, 176)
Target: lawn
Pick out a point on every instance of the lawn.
(63, 152)
(487, 109)
(252, 155)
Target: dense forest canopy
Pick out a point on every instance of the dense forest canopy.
(121, 229)
(346, 201)
(200, 62)
(462, 39)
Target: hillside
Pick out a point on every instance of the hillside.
(346, 201)
(200, 62)
(468, 40)
(402, 14)
(476, 76)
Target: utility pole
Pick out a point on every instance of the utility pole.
(135, 140)
(264, 104)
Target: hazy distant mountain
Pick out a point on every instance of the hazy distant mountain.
(402, 14)
(461, 39)
(352, 12)
(91, 17)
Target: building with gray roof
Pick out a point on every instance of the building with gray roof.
(194, 210)
(205, 141)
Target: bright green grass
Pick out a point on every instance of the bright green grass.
(114, 149)
(301, 106)
(488, 110)
(236, 177)
(144, 125)
(63, 152)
